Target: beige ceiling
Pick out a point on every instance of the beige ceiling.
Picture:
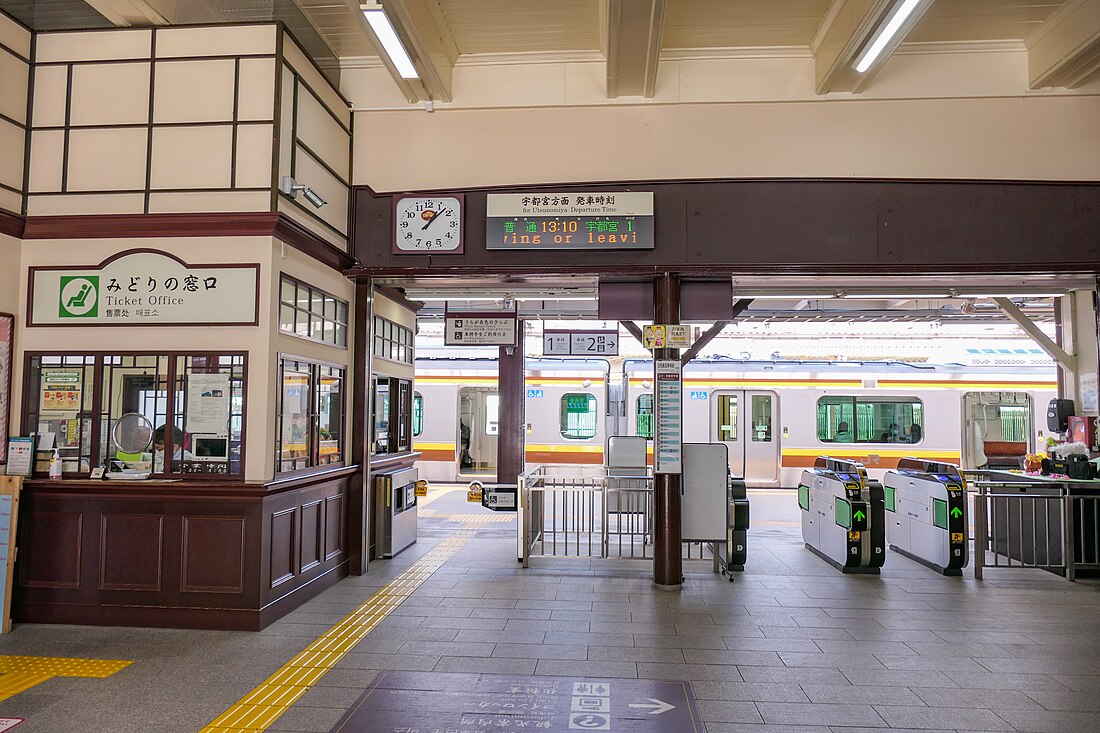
(734, 23)
(982, 20)
(516, 26)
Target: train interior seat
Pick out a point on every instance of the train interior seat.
(1004, 453)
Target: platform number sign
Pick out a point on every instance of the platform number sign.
(580, 343)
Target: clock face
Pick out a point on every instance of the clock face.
(425, 224)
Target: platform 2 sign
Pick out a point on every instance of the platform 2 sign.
(574, 221)
(580, 343)
(401, 702)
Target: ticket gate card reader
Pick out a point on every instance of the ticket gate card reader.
(926, 514)
(843, 515)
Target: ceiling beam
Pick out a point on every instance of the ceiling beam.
(633, 41)
(848, 27)
(1044, 342)
(125, 13)
(1064, 50)
(423, 30)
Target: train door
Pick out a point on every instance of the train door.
(478, 427)
(997, 429)
(745, 421)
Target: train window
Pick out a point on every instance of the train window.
(418, 414)
(578, 416)
(761, 418)
(727, 417)
(645, 416)
(870, 420)
(492, 414)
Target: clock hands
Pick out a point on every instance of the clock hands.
(437, 215)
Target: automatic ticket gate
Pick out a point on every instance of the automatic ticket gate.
(926, 514)
(843, 515)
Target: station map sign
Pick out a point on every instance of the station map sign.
(580, 343)
(569, 221)
(481, 329)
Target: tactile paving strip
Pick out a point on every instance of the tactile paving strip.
(257, 710)
(18, 674)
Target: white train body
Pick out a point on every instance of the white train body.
(776, 417)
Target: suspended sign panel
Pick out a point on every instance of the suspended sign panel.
(580, 343)
(577, 221)
(481, 330)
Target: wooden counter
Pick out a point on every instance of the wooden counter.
(179, 554)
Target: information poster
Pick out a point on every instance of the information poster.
(668, 430)
(1090, 394)
(20, 456)
(60, 391)
(207, 404)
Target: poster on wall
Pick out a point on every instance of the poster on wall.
(60, 391)
(207, 404)
(7, 333)
(144, 287)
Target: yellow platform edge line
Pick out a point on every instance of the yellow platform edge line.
(261, 707)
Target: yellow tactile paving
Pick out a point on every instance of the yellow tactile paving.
(257, 710)
(21, 673)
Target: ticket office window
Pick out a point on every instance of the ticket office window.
(310, 415)
(185, 412)
(392, 423)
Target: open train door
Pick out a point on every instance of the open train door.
(745, 421)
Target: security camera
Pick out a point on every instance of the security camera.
(313, 198)
(292, 189)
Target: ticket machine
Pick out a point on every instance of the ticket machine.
(843, 516)
(926, 514)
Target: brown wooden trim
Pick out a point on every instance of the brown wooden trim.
(398, 297)
(298, 236)
(6, 424)
(393, 460)
(359, 524)
(310, 477)
(11, 224)
(123, 226)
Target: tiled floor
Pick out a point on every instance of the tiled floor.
(791, 646)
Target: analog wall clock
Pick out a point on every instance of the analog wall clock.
(428, 224)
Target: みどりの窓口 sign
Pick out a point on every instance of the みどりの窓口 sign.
(144, 288)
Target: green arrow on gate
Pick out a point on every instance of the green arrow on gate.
(956, 512)
(859, 515)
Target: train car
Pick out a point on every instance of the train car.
(456, 415)
(774, 416)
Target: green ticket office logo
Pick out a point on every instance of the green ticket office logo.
(79, 296)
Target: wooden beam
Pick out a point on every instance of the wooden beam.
(634, 330)
(634, 29)
(1053, 350)
(1064, 50)
(700, 343)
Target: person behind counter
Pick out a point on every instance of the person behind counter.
(178, 453)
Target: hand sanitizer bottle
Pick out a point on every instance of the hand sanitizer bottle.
(55, 465)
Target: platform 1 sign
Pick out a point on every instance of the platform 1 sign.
(580, 343)
(474, 329)
(399, 702)
(575, 221)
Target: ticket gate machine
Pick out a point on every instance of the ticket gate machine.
(926, 514)
(843, 515)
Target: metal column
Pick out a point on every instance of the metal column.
(511, 388)
(668, 566)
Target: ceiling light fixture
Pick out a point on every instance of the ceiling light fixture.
(889, 35)
(894, 296)
(391, 43)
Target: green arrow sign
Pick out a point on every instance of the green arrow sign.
(859, 516)
(956, 512)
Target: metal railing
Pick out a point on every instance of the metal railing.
(1025, 526)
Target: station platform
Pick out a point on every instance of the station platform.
(791, 647)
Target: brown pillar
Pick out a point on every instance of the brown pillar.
(668, 566)
(512, 390)
(359, 503)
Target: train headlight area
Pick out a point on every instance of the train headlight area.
(926, 514)
(843, 515)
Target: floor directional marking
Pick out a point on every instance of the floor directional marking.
(257, 710)
(22, 673)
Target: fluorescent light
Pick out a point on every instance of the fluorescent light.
(774, 295)
(885, 34)
(895, 296)
(387, 36)
(1010, 295)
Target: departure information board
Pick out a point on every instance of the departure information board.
(569, 221)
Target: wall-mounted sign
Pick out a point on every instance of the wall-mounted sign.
(61, 391)
(583, 221)
(666, 337)
(668, 434)
(144, 288)
(580, 343)
(481, 329)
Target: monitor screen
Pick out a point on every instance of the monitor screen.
(209, 448)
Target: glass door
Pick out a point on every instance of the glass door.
(478, 426)
(745, 422)
(726, 427)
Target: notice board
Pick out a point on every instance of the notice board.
(10, 487)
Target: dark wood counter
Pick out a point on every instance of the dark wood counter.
(181, 554)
